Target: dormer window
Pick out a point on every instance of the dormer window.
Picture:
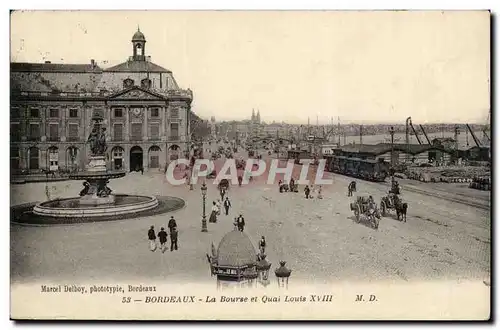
(128, 83)
(146, 83)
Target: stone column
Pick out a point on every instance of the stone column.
(162, 123)
(145, 127)
(145, 157)
(127, 124)
(64, 123)
(43, 126)
(109, 125)
(23, 153)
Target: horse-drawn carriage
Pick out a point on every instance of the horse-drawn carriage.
(393, 202)
(364, 207)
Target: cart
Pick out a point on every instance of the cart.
(361, 209)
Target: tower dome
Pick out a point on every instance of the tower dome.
(138, 36)
(236, 250)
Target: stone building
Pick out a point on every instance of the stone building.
(146, 114)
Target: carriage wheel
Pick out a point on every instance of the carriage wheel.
(357, 213)
(383, 207)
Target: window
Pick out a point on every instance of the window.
(73, 113)
(34, 132)
(73, 132)
(174, 113)
(136, 131)
(118, 153)
(117, 132)
(33, 158)
(53, 132)
(155, 112)
(118, 113)
(154, 132)
(34, 113)
(15, 113)
(15, 132)
(174, 130)
(146, 83)
(53, 159)
(54, 113)
(14, 158)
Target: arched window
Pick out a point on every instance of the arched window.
(53, 158)
(154, 157)
(33, 158)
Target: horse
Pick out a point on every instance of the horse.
(49, 172)
(401, 209)
(351, 188)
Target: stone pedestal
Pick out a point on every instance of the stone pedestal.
(97, 164)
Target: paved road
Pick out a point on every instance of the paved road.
(318, 238)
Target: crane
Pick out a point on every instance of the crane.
(415, 132)
(474, 137)
(425, 134)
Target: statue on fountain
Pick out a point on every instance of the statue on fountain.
(96, 191)
(97, 141)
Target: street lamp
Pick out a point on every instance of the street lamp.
(204, 218)
(391, 131)
(282, 274)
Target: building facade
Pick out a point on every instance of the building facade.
(146, 114)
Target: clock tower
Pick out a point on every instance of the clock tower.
(139, 46)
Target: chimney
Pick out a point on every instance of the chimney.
(47, 62)
(92, 63)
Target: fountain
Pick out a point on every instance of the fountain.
(96, 201)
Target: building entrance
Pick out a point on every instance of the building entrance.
(136, 159)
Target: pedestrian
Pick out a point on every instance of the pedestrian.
(219, 205)
(162, 235)
(172, 224)
(262, 245)
(173, 239)
(240, 222)
(213, 215)
(227, 205)
(307, 191)
(152, 238)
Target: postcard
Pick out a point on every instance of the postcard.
(250, 165)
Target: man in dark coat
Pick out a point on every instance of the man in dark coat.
(227, 205)
(262, 245)
(173, 239)
(240, 222)
(152, 238)
(172, 224)
(162, 235)
(307, 191)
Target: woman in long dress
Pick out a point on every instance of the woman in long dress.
(218, 204)
(213, 215)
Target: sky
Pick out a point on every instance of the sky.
(364, 67)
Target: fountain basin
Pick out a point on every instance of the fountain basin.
(71, 207)
(24, 214)
(101, 175)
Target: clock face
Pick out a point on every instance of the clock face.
(137, 111)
